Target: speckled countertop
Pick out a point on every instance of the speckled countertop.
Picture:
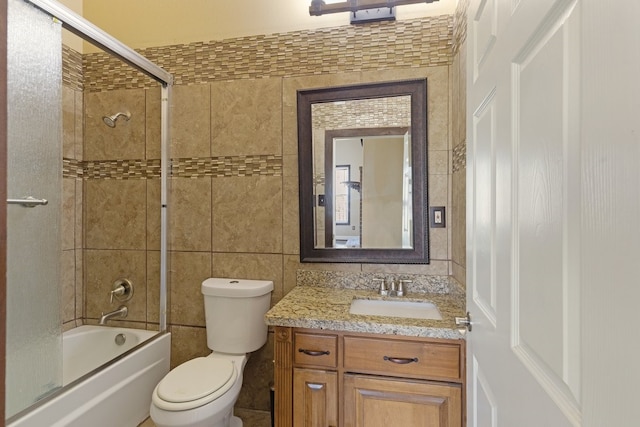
(328, 308)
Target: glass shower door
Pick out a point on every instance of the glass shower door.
(34, 343)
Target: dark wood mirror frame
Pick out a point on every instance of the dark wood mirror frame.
(419, 254)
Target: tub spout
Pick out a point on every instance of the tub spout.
(120, 312)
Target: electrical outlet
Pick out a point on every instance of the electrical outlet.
(437, 217)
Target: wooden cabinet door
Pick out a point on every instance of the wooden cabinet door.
(382, 402)
(315, 398)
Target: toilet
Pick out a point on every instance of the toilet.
(203, 391)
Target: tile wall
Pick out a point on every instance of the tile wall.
(459, 143)
(234, 188)
(71, 228)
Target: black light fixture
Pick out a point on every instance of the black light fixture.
(361, 10)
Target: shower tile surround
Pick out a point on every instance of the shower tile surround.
(234, 188)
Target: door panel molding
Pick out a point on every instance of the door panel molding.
(485, 27)
(546, 197)
(483, 397)
(483, 287)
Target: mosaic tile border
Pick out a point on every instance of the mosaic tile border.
(72, 168)
(460, 157)
(412, 43)
(72, 75)
(121, 169)
(219, 167)
(460, 25)
(268, 165)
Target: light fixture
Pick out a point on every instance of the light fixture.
(361, 10)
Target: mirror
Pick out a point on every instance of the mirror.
(363, 173)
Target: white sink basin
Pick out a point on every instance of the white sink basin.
(387, 308)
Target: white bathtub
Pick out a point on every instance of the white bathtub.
(119, 394)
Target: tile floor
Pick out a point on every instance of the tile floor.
(249, 418)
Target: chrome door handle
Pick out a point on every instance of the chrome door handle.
(464, 321)
(28, 202)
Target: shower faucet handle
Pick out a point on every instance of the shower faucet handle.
(116, 292)
(122, 290)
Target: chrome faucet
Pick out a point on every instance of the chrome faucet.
(398, 287)
(401, 288)
(121, 312)
(382, 289)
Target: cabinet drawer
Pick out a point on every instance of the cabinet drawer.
(439, 361)
(315, 350)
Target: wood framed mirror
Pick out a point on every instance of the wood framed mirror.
(362, 154)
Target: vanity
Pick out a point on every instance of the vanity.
(334, 368)
(346, 354)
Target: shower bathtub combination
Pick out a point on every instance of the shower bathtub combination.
(119, 394)
(97, 376)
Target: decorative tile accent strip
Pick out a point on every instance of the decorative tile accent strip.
(460, 25)
(383, 45)
(121, 169)
(268, 165)
(362, 113)
(460, 157)
(104, 72)
(347, 280)
(227, 166)
(71, 168)
(72, 68)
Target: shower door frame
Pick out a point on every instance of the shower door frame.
(3, 196)
(89, 32)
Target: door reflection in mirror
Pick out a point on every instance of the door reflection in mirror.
(371, 208)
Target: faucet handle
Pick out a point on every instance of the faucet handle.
(122, 290)
(119, 291)
(402, 287)
(382, 289)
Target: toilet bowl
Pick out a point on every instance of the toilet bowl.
(199, 393)
(202, 392)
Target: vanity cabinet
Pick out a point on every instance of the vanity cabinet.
(382, 402)
(315, 380)
(315, 398)
(331, 379)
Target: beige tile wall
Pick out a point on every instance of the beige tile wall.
(234, 192)
(71, 227)
(459, 136)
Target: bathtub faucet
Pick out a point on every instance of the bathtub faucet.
(120, 312)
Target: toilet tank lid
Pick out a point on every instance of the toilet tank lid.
(236, 288)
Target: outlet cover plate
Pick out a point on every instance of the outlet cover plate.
(437, 217)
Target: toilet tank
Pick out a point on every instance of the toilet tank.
(234, 310)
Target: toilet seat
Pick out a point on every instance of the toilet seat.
(195, 383)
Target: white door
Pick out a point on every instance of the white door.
(553, 169)
(523, 213)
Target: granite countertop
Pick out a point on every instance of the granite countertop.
(328, 308)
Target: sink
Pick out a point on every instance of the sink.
(394, 308)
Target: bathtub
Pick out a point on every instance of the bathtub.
(118, 394)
